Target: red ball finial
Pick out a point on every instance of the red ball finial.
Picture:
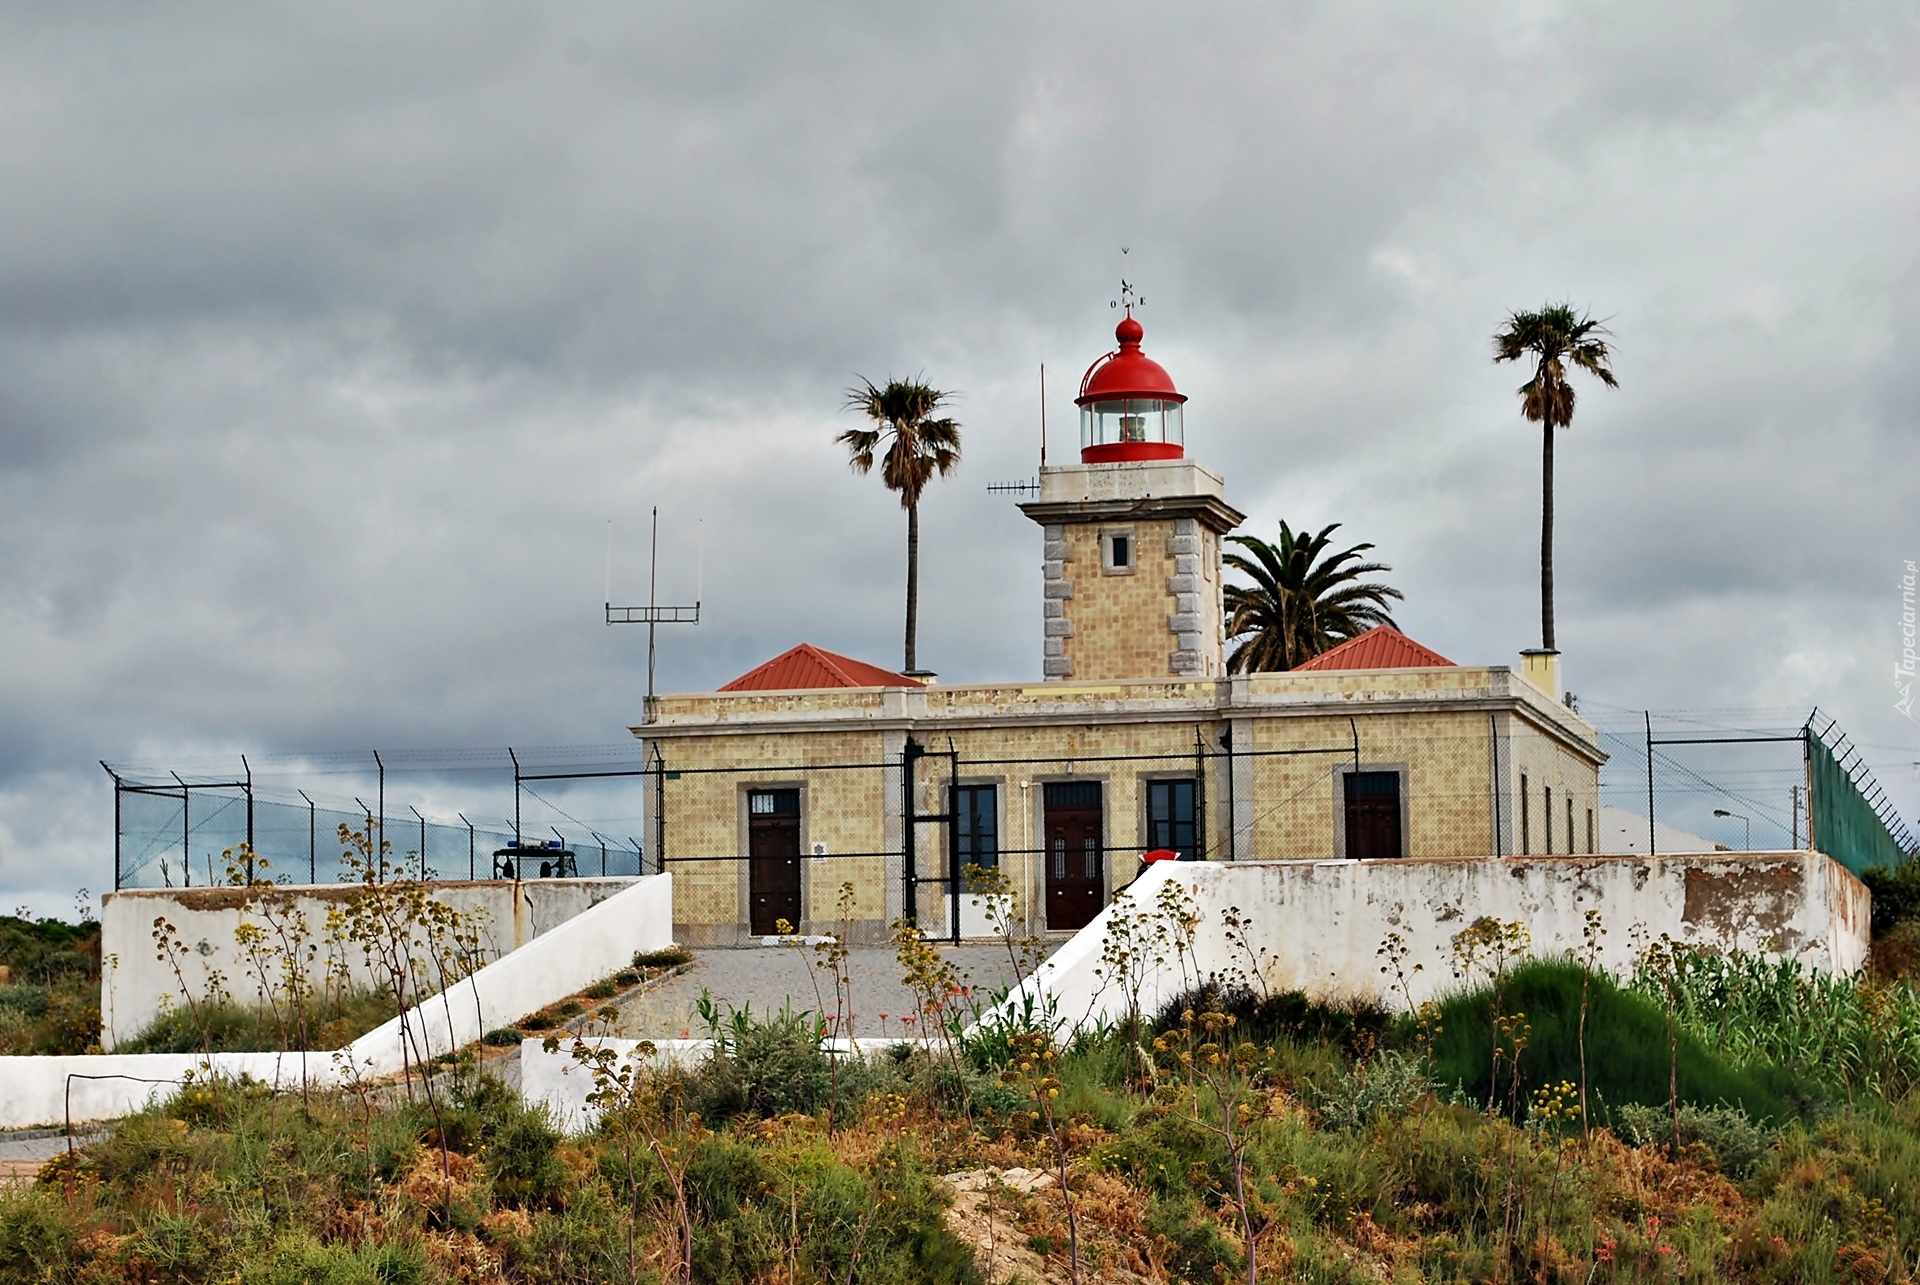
(1129, 332)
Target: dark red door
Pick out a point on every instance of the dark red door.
(1373, 815)
(773, 860)
(1076, 854)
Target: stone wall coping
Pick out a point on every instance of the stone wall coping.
(1470, 689)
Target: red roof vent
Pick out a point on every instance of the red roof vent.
(1382, 647)
(807, 667)
(1129, 408)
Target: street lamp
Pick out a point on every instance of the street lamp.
(1722, 812)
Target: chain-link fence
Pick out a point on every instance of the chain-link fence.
(771, 828)
(448, 815)
(1742, 780)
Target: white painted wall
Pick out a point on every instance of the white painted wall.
(1321, 923)
(134, 985)
(593, 944)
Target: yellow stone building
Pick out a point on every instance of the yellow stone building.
(817, 778)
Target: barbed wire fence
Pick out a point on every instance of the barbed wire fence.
(1674, 781)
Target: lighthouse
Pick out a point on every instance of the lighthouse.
(1131, 565)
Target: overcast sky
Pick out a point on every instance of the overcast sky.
(332, 336)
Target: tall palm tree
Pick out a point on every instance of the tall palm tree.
(1303, 600)
(1551, 339)
(901, 415)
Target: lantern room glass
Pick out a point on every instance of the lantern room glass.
(1134, 419)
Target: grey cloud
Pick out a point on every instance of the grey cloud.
(330, 339)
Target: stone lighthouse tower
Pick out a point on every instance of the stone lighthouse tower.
(1132, 533)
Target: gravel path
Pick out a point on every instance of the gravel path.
(768, 977)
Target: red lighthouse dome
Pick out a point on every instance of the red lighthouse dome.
(1129, 408)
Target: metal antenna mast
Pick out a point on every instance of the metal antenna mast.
(653, 614)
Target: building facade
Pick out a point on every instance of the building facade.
(818, 788)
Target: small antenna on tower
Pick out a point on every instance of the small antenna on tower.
(1043, 414)
(652, 614)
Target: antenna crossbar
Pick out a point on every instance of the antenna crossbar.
(1030, 487)
(653, 615)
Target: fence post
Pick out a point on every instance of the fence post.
(1493, 744)
(381, 799)
(659, 811)
(249, 788)
(469, 825)
(1806, 759)
(1233, 834)
(186, 834)
(953, 840)
(516, 804)
(1200, 821)
(909, 872)
(1652, 842)
(423, 840)
(116, 823)
(313, 866)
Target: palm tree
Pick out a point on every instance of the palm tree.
(1301, 603)
(918, 446)
(1551, 338)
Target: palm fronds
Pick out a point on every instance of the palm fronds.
(1303, 600)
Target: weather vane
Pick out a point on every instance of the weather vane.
(1128, 299)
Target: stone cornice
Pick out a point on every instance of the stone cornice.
(1210, 509)
(1495, 689)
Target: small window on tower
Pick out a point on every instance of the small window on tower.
(1122, 551)
(1116, 552)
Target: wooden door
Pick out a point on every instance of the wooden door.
(1373, 815)
(1076, 854)
(773, 860)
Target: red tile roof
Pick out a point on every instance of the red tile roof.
(1382, 647)
(808, 666)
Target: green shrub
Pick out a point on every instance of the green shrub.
(628, 977)
(1848, 1035)
(601, 990)
(27, 1001)
(765, 1067)
(1736, 1143)
(501, 1037)
(1288, 1015)
(523, 1158)
(37, 1235)
(46, 952)
(298, 1258)
(1196, 1249)
(666, 957)
(1389, 1084)
(1627, 1053)
(1896, 894)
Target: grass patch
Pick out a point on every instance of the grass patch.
(666, 957)
(1627, 1050)
(51, 1000)
(333, 1022)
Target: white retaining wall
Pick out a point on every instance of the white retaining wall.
(1318, 926)
(595, 943)
(135, 985)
